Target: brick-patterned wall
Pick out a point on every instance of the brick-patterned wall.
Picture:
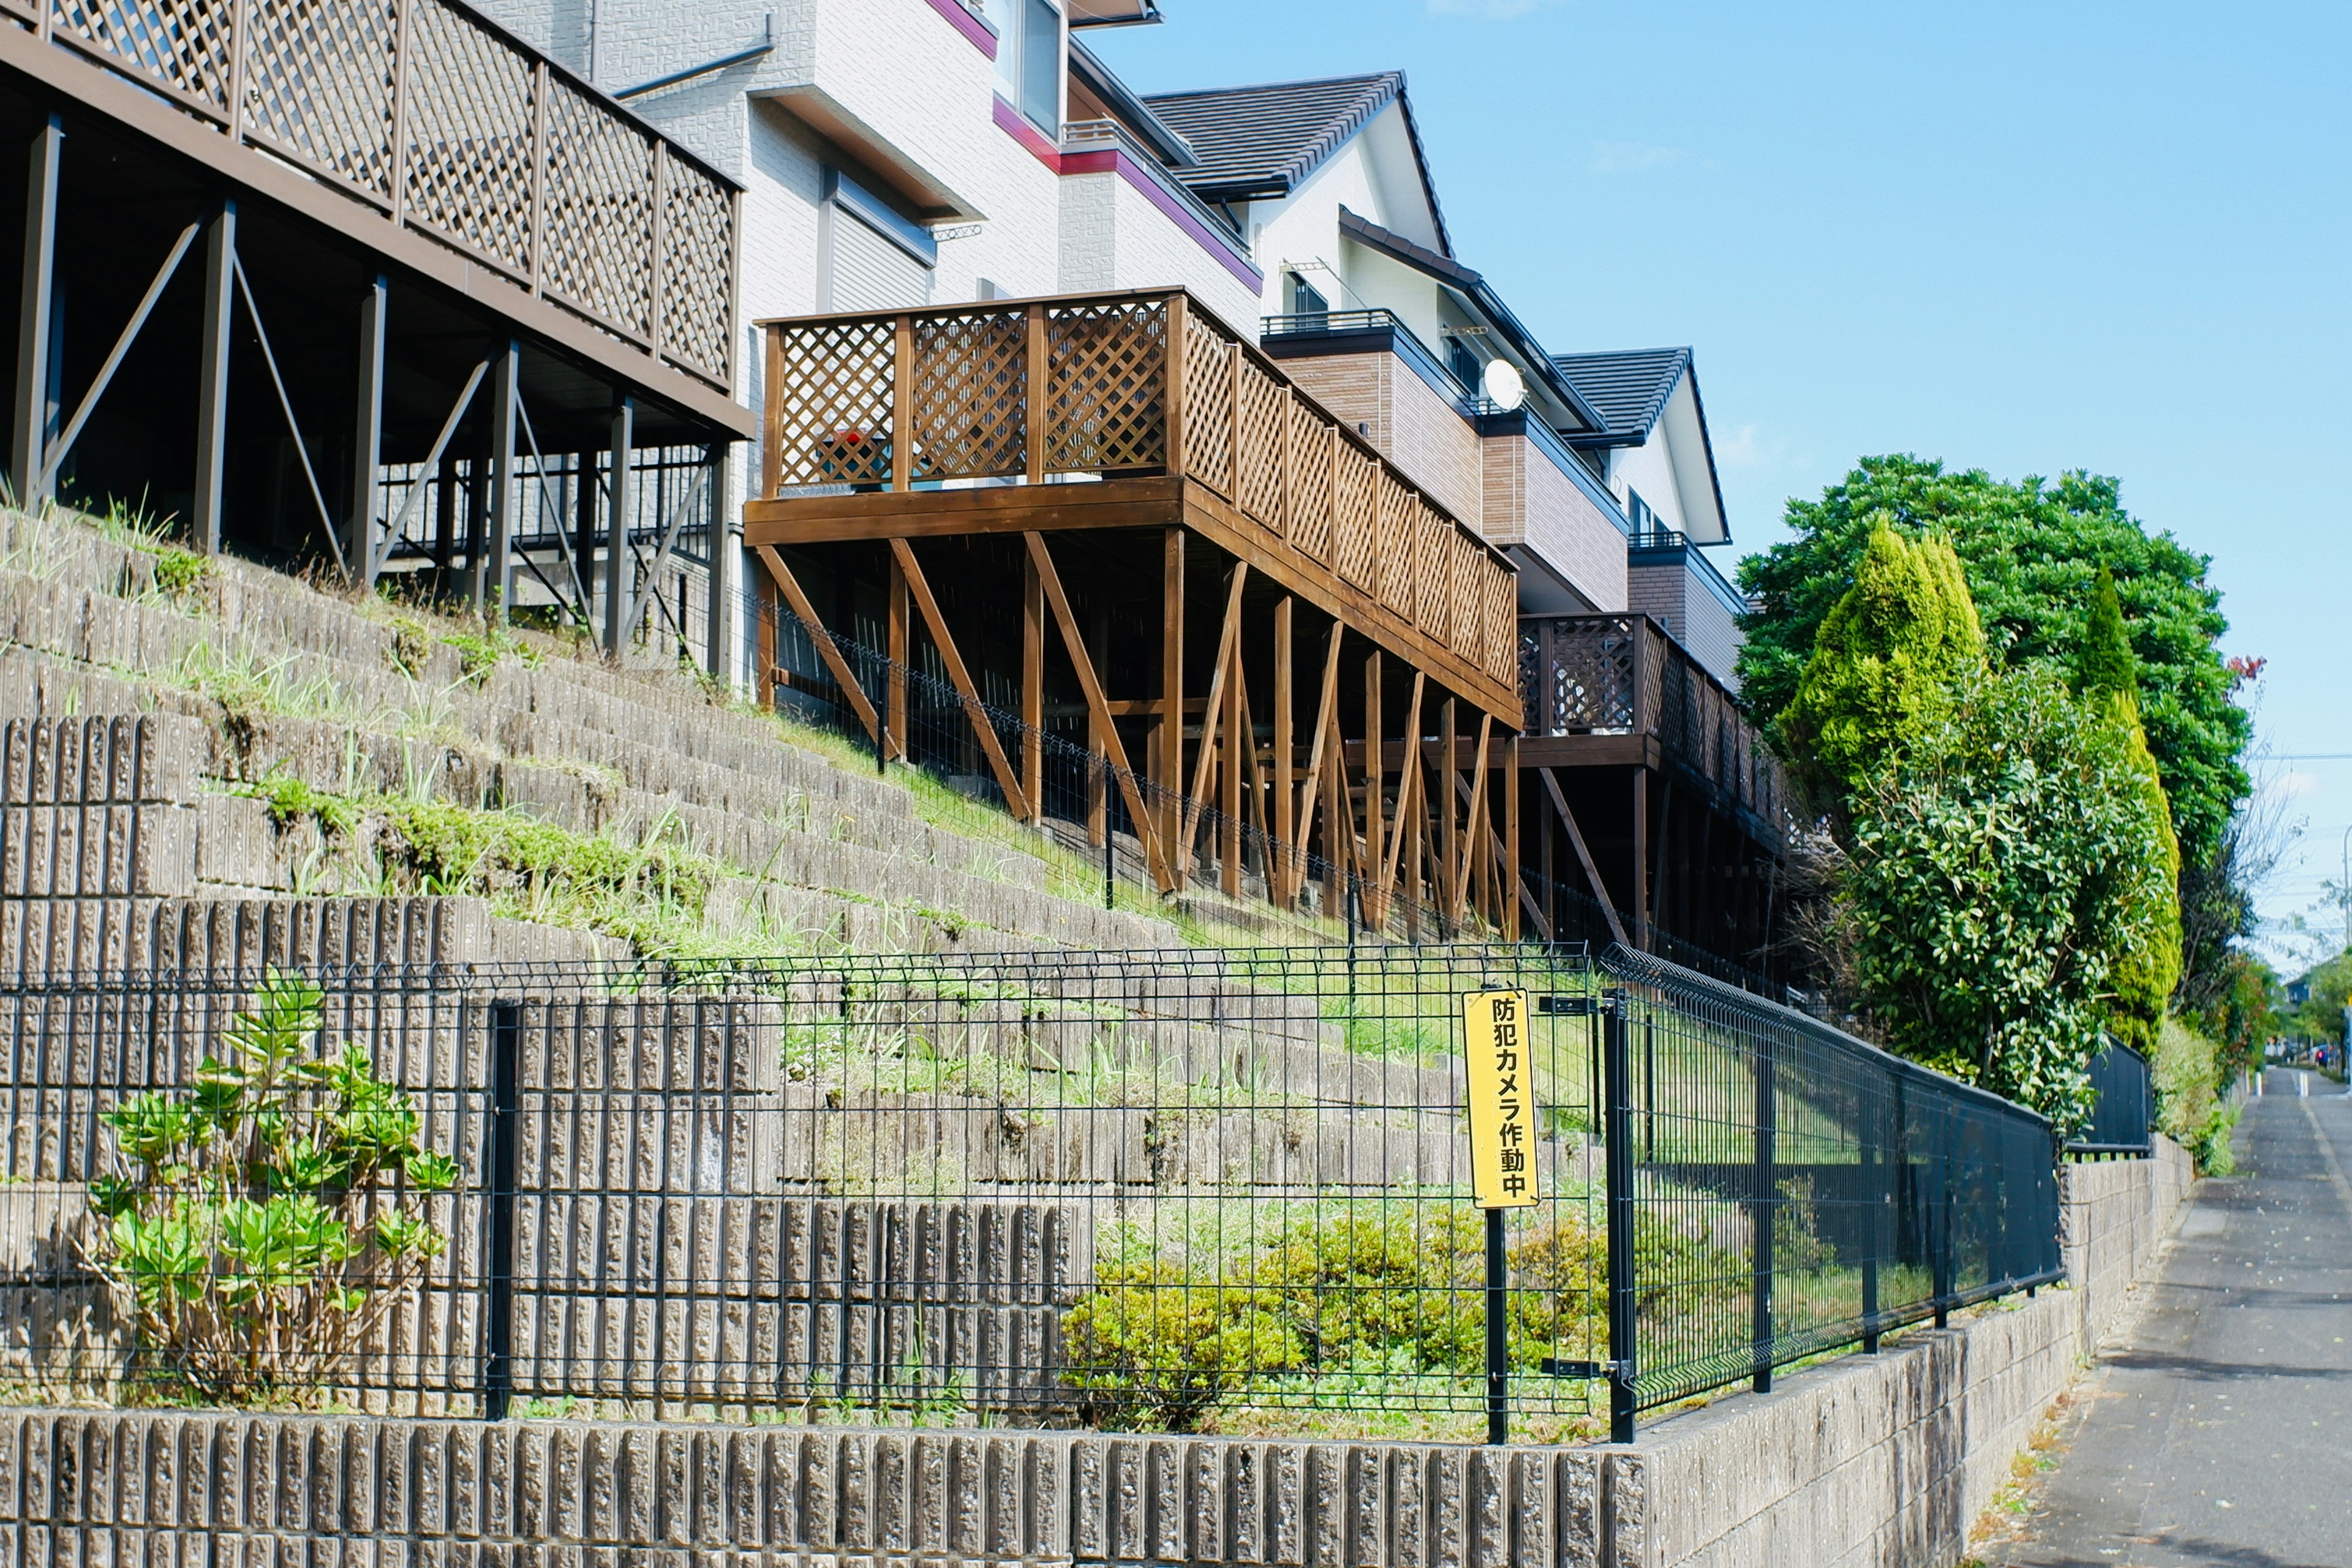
(1529, 502)
(1437, 448)
(1354, 388)
(1661, 588)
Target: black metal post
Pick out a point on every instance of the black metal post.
(1943, 1217)
(1618, 1150)
(506, 1116)
(1110, 851)
(1763, 1212)
(1498, 1333)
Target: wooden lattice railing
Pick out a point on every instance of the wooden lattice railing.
(1084, 384)
(1623, 674)
(446, 124)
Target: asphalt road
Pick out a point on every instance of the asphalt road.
(2221, 1430)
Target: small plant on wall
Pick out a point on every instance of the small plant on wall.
(265, 1221)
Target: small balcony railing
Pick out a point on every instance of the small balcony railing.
(444, 123)
(1119, 386)
(1623, 674)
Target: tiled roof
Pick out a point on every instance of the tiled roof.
(1630, 387)
(1256, 141)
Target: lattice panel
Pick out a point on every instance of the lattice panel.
(599, 223)
(1356, 524)
(28, 9)
(971, 380)
(1502, 621)
(829, 403)
(180, 45)
(1432, 580)
(698, 270)
(468, 160)
(1310, 483)
(1578, 677)
(1263, 412)
(318, 85)
(1208, 405)
(1106, 372)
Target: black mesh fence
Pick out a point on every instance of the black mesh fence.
(1201, 1189)
(2122, 1106)
(1783, 1189)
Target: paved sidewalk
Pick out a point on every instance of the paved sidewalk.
(2221, 1431)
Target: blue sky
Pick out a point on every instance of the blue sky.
(2026, 238)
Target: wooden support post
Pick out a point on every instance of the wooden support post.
(1376, 769)
(1097, 788)
(1098, 706)
(620, 520)
(367, 435)
(1416, 824)
(1641, 856)
(1171, 699)
(28, 430)
(1514, 885)
(1228, 650)
(1229, 800)
(1254, 784)
(1450, 849)
(895, 613)
(1172, 385)
(1285, 808)
(902, 405)
(212, 383)
(834, 661)
(982, 728)
(764, 679)
(1470, 853)
(1338, 822)
(1033, 688)
(1407, 793)
(1318, 749)
(506, 399)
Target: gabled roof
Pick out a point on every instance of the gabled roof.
(1629, 387)
(1260, 142)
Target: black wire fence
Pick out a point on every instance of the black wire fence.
(1222, 1190)
(2123, 1107)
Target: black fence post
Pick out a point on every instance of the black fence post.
(505, 1116)
(1874, 1192)
(1110, 842)
(1943, 1226)
(1762, 1216)
(1498, 1333)
(1618, 1155)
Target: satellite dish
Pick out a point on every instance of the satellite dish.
(1501, 385)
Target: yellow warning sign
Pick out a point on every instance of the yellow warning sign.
(1502, 1098)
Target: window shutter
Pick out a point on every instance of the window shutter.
(871, 273)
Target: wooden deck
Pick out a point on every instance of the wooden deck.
(1042, 392)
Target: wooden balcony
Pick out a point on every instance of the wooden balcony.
(1122, 411)
(419, 118)
(1616, 690)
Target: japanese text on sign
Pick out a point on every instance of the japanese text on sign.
(1502, 1098)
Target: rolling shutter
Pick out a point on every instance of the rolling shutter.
(871, 272)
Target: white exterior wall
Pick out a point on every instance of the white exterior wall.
(1114, 236)
(1647, 468)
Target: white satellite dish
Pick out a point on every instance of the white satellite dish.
(1501, 385)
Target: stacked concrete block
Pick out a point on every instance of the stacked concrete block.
(170, 1487)
(2113, 1213)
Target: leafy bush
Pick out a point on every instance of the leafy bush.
(2188, 1072)
(272, 1214)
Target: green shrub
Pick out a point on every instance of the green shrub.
(1154, 1348)
(270, 1215)
(2187, 1071)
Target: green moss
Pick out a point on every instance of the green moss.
(412, 645)
(290, 802)
(480, 653)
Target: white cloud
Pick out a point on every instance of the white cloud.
(1491, 10)
(1633, 157)
(1751, 447)
(2293, 785)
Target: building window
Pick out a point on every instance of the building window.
(1638, 512)
(1306, 300)
(1463, 361)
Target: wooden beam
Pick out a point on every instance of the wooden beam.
(1037, 396)
(895, 616)
(1032, 688)
(1327, 712)
(833, 661)
(1172, 696)
(1449, 833)
(1286, 763)
(1518, 884)
(1375, 780)
(1475, 818)
(1006, 780)
(1408, 790)
(1253, 782)
(1228, 651)
(1584, 855)
(902, 405)
(1229, 797)
(1107, 732)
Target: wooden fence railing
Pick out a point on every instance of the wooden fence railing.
(1623, 674)
(446, 124)
(1084, 384)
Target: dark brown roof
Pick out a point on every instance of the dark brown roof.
(1260, 142)
(1629, 388)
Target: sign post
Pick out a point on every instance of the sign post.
(1502, 1163)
